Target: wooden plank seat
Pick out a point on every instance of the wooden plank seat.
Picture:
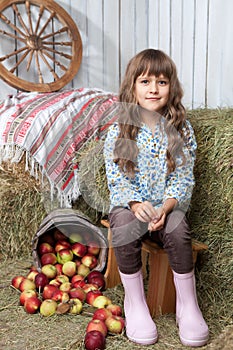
(160, 291)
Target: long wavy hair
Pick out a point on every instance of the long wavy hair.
(150, 62)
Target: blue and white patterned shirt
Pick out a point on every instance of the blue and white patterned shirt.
(151, 182)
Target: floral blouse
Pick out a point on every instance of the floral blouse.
(151, 182)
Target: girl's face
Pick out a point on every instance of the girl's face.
(152, 92)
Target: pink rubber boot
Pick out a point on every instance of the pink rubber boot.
(140, 328)
(193, 329)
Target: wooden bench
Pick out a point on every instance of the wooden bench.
(161, 297)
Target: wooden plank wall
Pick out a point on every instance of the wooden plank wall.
(197, 34)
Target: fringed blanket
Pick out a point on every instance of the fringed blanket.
(50, 128)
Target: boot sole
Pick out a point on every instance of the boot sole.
(194, 343)
(147, 341)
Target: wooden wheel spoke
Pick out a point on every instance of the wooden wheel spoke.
(54, 60)
(30, 60)
(48, 65)
(12, 35)
(28, 8)
(8, 22)
(61, 43)
(52, 15)
(41, 80)
(39, 17)
(60, 31)
(16, 52)
(15, 8)
(20, 61)
(69, 57)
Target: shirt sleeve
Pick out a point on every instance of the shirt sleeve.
(122, 188)
(180, 183)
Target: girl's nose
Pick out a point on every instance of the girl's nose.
(154, 87)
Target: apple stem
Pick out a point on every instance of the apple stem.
(15, 289)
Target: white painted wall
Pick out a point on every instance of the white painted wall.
(197, 34)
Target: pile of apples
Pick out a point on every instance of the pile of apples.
(68, 279)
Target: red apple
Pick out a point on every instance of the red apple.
(62, 245)
(25, 295)
(58, 235)
(90, 261)
(97, 325)
(94, 340)
(15, 282)
(77, 278)
(115, 309)
(76, 306)
(101, 314)
(27, 284)
(48, 258)
(55, 283)
(45, 248)
(89, 286)
(99, 281)
(115, 324)
(92, 295)
(83, 270)
(32, 304)
(101, 301)
(48, 307)
(60, 296)
(79, 249)
(59, 268)
(93, 248)
(69, 268)
(62, 278)
(77, 293)
(49, 270)
(94, 273)
(41, 280)
(64, 255)
(31, 275)
(48, 238)
(48, 291)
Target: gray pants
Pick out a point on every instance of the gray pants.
(128, 233)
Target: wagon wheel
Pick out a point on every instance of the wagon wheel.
(41, 47)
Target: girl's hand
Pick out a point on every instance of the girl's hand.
(158, 224)
(144, 211)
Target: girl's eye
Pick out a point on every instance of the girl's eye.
(145, 81)
(163, 82)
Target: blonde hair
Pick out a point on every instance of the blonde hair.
(150, 62)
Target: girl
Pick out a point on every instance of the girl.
(149, 157)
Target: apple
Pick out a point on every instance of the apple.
(48, 291)
(25, 295)
(55, 283)
(62, 278)
(93, 248)
(27, 284)
(79, 249)
(83, 270)
(64, 255)
(41, 280)
(89, 286)
(115, 324)
(77, 293)
(115, 309)
(75, 237)
(62, 245)
(99, 281)
(48, 258)
(75, 306)
(77, 284)
(101, 314)
(77, 262)
(48, 307)
(77, 278)
(69, 268)
(92, 295)
(15, 282)
(101, 301)
(97, 325)
(60, 296)
(58, 235)
(94, 340)
(32, 304)
(90, 261)
(59, 268)
(44, 248)
(47, 238)
(31, 275)
(65, 287)
(49, 270)
(94, 273)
